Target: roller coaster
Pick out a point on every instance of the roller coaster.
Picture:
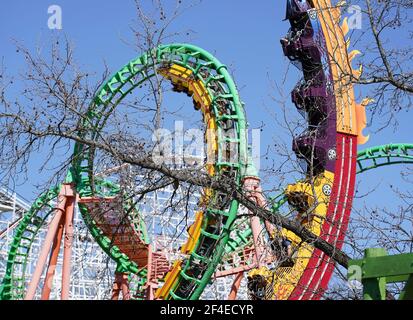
(220, 242)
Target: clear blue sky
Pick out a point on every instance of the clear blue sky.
(243, 34)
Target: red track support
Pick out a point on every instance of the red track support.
(254, 193)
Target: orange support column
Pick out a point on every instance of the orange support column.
(67, 253)
(51, 268)
(120, 283)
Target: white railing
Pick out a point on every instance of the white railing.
(16, 201)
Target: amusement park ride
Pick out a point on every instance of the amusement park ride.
(224, 254)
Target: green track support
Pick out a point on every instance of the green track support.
(378, 269)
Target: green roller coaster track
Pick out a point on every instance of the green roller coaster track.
(13, 286)
(222, 90)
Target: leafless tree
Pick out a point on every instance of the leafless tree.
(47, 116)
